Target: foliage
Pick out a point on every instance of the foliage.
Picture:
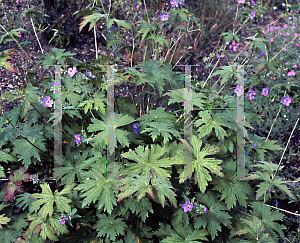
(171, 181)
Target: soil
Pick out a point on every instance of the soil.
(83, 46)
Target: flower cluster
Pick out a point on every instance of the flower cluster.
(34, 178)
(201, 209)
(62, 220)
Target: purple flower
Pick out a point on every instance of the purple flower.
(240, 1)
(90, 74)
(31, 176)
(253, 3)
(265, 91)
(188, 206)
(252, 16)
(205, 210)
(77, 138)
(218, 55)
(53, 84)
(182, 3)
(286, 100)
(164, 16)
(239, 90)
(62, 221)
(135, 128)
(251, 94)
(260, 52)
(47, 101)
(174, 3)
(135, 3)
(72, 71)
(175, 37)
(254, 145)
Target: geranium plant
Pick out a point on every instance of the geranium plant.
(91, 200)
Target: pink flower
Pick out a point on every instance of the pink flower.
(285, 26)
(293, 27)
(47, 102)
(239, 90)
(279, 33)
(245, 53)
(297, 44)
(286, 63)
(16, 9)
(286, 33)
(270, 29)
(77, 138)
(72, 71)
(234, 48)
(295, 34)
(277, 28)
(263, 32)
(291, 73)
(188, 206)
(271, 39)
(286, 100)
(241, 48)
(230, 47)
(233, 43)
(292, 42)
(284, 49)
(295, 66)
(20, 33)
(255, 57)
(17, 1)
(164, 16)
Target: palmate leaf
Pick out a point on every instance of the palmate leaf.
(264, 212)
(14, 229)
(161, 129)
(49, 227)
(14, 183)
(215, 215)
(181, 234)
(4, 57)
(212, 122)
(92, 19)
(109, 226)
(3, 220)
(141, 208)
(254, 231)
(70, 169)
(148, 161)
(157, 115)
(141, 185)
(9, 236)
(198, 163)
(27, 149)
(163, 189)
(120, 135)
(269, 183)
(98, 188)
(47, 198)
(179, 96)
(232, 190)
